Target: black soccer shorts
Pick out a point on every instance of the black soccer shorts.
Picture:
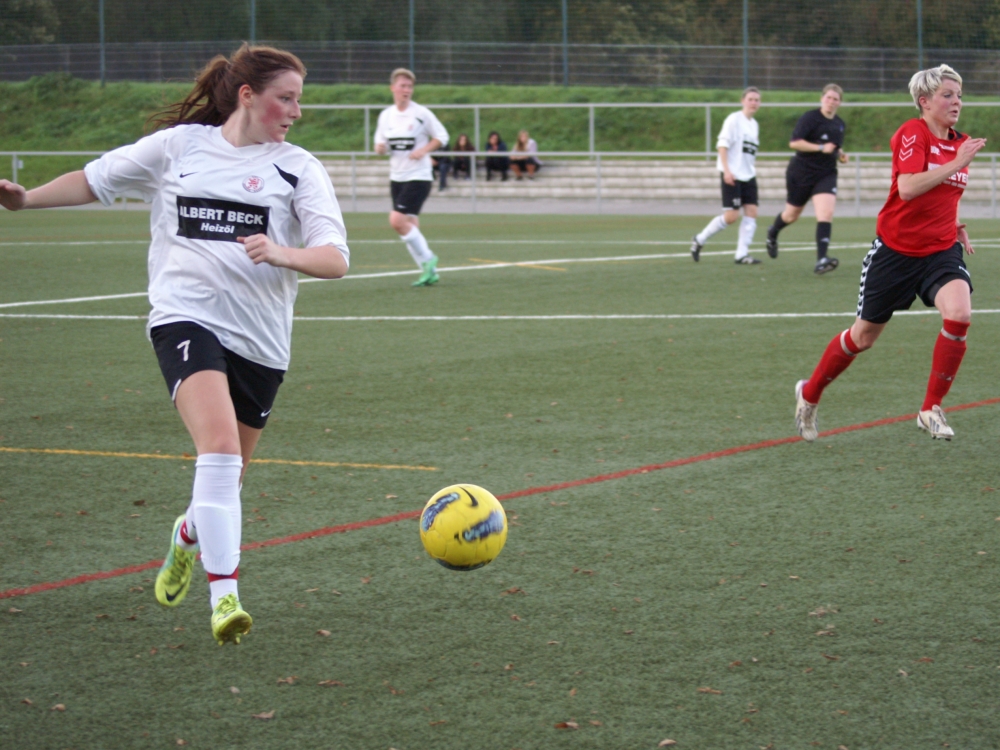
(801, 187)
(186, 348)
(890, 281)
(409, 197)
(740, 194)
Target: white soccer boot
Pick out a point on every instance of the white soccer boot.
(933, 421)
(805, 415)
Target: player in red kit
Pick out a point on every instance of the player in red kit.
(918, 251)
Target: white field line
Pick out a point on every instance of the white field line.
(456, 269)
(460, 318)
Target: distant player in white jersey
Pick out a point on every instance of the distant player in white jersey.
(738, 142)
(236, 215)
(410, 133)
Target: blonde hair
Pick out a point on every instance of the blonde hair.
(927, 82)
(833, 87)
(749, 90)
(404, 72)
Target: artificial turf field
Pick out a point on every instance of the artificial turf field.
(788, 595)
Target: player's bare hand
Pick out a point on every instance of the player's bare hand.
(12, 196)
(842, 156)
(968, 150)
(418, 153)
(261, 249)
(963, 237)
(729, 179)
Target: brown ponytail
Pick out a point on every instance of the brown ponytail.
(216, 90)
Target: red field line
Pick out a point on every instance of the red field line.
(345, 527)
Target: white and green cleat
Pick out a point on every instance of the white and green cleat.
(174, 578)
(229, 621)
(430, 275)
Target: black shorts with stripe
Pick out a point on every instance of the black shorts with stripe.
(408, 197)
(803, 184)
(740, 194)
(891, 281)
(185, 348)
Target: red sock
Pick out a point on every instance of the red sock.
(948, 353)
(839, 354)
(184, 534)
(216, 577)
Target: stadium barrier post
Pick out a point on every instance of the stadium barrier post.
(708, 132)
(13, 168)
(368, 129)
(598, 183)
(857, 185)
(354, 182)
(472, 166)
(993, 184)
(591, 130)
(475, 125)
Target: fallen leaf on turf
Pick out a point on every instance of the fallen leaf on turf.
(878, 621)
(182, 742)
(508, 667)
(330, 683)
(287, 680)
(807, 670)
(842, 747)
(28, 702)
(435, 723)
(596, 723)
(234, 690)
(925, 659)
(324, 633)
(567, 725)
(825, 632)
(15, 611)
(391, 497)
(552, 643)
(58, 707)
(152, 652)
(24, 663)
(823, 611)
(710, 691)
(572, 692)
(512, 590)
(667, 743)
(103, 617)
(266, 716)
(735, 664)
(795, 578)
(310, 591)
(366, 579)
(629, 632)
(179, 645)
(515, 618)
(831, 658)
(335, 592)
(82, 513)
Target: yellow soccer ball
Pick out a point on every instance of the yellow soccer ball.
(463, 527)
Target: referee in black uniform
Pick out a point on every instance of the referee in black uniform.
(812, 173)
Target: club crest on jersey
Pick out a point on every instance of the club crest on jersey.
(253, 184)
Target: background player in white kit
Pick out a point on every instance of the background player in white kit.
(410, 133)
(236, 215)
(737, 145)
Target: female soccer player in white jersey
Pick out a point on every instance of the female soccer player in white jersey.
(737, 145)
(410, 133)
(236, 215)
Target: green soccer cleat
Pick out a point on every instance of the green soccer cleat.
(430, 275)
(229, 621)
(174, 578)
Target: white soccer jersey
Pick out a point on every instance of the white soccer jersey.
(404, 132)
(205, 193)
(742, 137)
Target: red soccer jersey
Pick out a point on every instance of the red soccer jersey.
(926, 224)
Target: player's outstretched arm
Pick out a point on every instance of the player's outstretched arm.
(70, 189)
(323, 262)
(916, 184)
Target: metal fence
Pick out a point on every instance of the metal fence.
(602, 168)
(463, 63)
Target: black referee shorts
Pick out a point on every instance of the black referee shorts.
(740, 194)
(186, 348)
(409, 197)
(890, 281)
(802, 186)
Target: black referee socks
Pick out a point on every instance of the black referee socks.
(823, 231)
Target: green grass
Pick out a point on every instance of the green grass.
(57, 113)
(882, 528)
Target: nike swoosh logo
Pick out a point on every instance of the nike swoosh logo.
(265, 413)
(171, 597)
(187, 174)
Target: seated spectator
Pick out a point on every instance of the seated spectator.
(460, 164)
(522, 158)
(496, 163)
(440, 164)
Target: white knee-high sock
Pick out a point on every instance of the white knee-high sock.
(747, 228)
(417, 245)
(715, 226)
(215, 505)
